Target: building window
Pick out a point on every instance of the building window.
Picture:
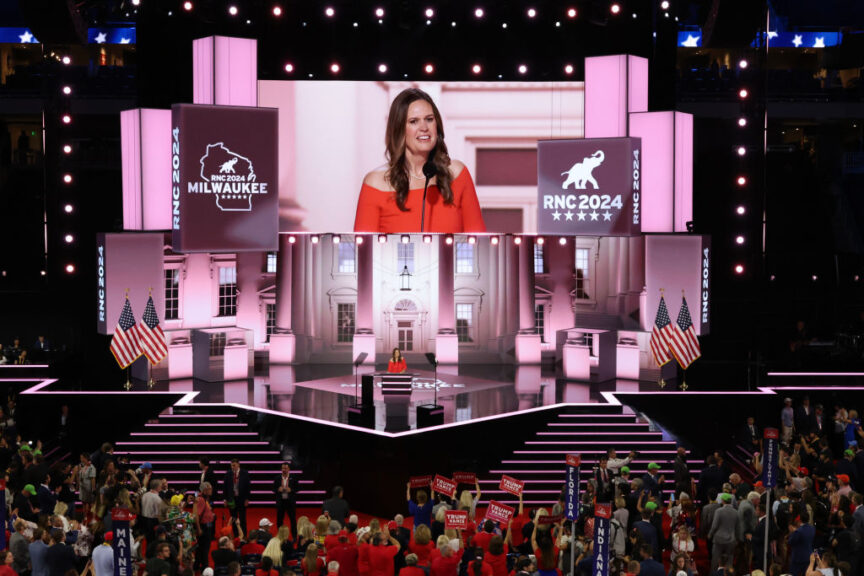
(539, 326)
(345, 323)
(172, 294)
(271, 320)
(406, 336)
(217, 344)
(464, 258)
(347, 258)
(539, 260)
(227, 291)
(405, 257)
(465, 322)
(272, 261)
(583, 256)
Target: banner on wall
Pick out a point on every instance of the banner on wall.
(589, 187)
(224, 178)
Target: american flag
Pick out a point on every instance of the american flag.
(124, 343)
(661, 335)
(151, 336)
(684, 343)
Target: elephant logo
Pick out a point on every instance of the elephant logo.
(580, 174)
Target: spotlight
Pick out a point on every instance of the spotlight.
(66, 60)
(743, 64)
(739, 240)
(743, 93)
(68, 208)
(615, 8)
(571, 13)
(382, 68)
(741, 151)
(664, 4)
(358, 240)
(277, 10)
(329, 12)
(336, 239)
(429, 12)
(856, 278)
(136, 2)
(67, 119)
(187, 6)
(517, 240)
(540, 241)
(429, 69)
(67, 178)
(742, 122)
(739, 269)
(67, 149)
(70, 268)
(504, 25)
(493, 240)
(814, 278)
(523, 69)
(69, 238)
(42, 272)
(427, 238)
(476, 69)
(379, 12)
(742, 181)
(531, 13)
(334, 68)
(67, 90)
(472, 239)
(232, 10)
(448, 240)
(382, 239)
(568, 69)
(315, 238)
(289, 68)
(740, 210)
(478, 13)
(406, 239)
(562, 240)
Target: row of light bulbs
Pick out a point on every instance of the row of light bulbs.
(427, 239)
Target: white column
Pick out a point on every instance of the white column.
(446, 340)
(364, 335)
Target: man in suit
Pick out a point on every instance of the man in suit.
(748, 435)
(649, 566)
(336, 508)
(652, 482)
(648, 532)
(285, 489)
(237, 489)
(682, 472)
(747, 521)
(60, 557)
(603, 480)
(803, 415)
(858, 515)
(818, 424)
(801, 544)
(711, 477)
(207, 473)
(724, 533)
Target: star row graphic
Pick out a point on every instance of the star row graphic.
(568, 216)
(819, 42)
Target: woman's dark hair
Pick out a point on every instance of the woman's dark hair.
(393, 355)
(397, 172)
(266, 563)
(547, 559)
(496, 545)
(477, 564)
(422, 497)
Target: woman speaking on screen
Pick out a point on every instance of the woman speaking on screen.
(391, 199)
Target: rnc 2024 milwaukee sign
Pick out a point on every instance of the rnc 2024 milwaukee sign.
(589, 187)
(224, 178)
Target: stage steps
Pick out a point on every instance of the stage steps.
(173, 444)
(585, 430)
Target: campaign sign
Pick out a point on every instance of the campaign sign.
(420, 481)
(498, 512)
(602, 535)
(590, 187)
(444, 485)
(122, 544)
(456, 519)
(465, 477)
(511, 485)
(571, 511)
(549, 518)
(769, 464)
(224, 178)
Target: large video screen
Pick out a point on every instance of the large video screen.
(332, 134)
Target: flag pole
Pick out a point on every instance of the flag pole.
(684, 371)
(661, 382)
(128, 385)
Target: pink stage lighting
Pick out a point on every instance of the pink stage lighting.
(814, 277)
(277, 10)
(476, 69)
(472, 239)
(743, 64)
(334, 68)
(429, 13)
(67, 90)
(568, 69)
(562, 241)
(67, 119)
(540, 241)
(740, 210)
(379, 12)
(739, 269)
(427, 238)
(479, 13)
(572, 13)
(68, 208)
(382, 68)
(68, 238)
(66, 60)
(741, 151)
(187, 6)
(742, 181)
(232, 10)
(448, 240)
(429, 69)
(531, 13)
(336, 239)
(739, 240)
(315, 238)
(67, 149)
(406, 239)
(358, 240)
(329, 12)
(494, 240)
(517, 240)
(70, 268)
(292, 239)
(615, 8)
(742, 122)
(664, 4)
(289, 68)
(743, 93)
(523, 69)
(67, 178)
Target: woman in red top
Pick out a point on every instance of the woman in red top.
(447, 562)
(411, 568)
(6, 564)
(392, 198)
(266, 568)
(397, 363)
(496, 555)
(312, 564)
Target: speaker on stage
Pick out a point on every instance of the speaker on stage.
(362, 415)
(429, 415)
(368, 389)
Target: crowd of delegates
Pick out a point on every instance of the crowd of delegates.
(18, 353)
(60, 518)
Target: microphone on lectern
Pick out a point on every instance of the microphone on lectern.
(429, 171)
